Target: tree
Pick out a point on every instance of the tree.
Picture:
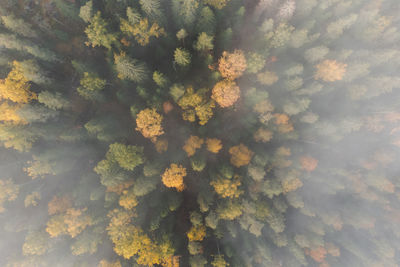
(308, 163)
(18, 26)
(86, 11)
(195, 104)
(182, 57)
(9, 113)
(240, 155)
(16, 87)
(53, 100)
(225, 93)
(330, 71)
(148, 123)
(36, 243)
(32, 199)
(91, 86)
(142, 31)
(185, 12)
(197, 233)
(219, 261)
(152, 8)
(227, 187)
(127, 157)
(213, 145)
(76, 221)
(129, 68)
(173, 177)
(191, 144)
(232, 65)
(8, 192)
(204, 42)
(219, 4)
(98, 33)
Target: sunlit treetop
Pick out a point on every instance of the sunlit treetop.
(232, 65)
(173, 176)
(330, 71)
(15, 87)
(148, 122)
(240, 155)
(225, 93)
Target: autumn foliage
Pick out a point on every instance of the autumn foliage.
(232, 65)
(148, 122)
(225, 93)
(240, 155)
(173, 176)
(192, 144)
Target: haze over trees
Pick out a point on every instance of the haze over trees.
(199, 133)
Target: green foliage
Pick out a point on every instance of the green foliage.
(98, 34)
(204, 42)
(86, 11)
(91, 86)
(128, 157)
(129, 68)
(18, 25)
(182, 57)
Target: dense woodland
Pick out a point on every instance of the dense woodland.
(199, 133)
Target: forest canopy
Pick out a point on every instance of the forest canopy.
(199, 133)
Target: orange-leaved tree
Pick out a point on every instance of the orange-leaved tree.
(214, 145)
(225, 93)
(240, 155)
(191, 144)
(330, 71)
(173, 176)
(232, 65)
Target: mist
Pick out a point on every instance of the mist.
(199, 133)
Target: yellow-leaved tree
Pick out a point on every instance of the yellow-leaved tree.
(173, 177)
(197, 233)
(227, 187)
(15, 87)
(148, 122)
